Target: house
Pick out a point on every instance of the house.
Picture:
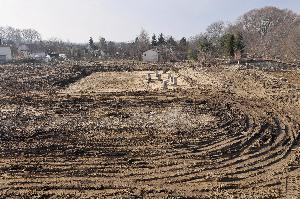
(38, 56)
(150, 56)
(5, 54)
(33, 51)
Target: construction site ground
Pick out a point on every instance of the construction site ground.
(105, 130)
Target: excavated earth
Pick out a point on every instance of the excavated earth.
(91, 130)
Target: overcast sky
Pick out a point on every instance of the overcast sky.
(122, 20)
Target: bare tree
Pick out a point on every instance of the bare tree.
(216, 30)
(30, 35)
(143, 41)
(292, 44)
(103, 44)
(17, 36)
(214, 34)
(13, 35)
(2, 33)
(265, 30)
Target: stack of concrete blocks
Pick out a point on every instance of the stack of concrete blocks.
(174, 81)
(149, 77)
(158, 75)
(165, 84)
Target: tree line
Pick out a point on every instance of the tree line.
(167, 46)
(14, 35)
(268, 32)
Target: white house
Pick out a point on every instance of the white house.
(150, 56)
(5, 54)
(39, 56)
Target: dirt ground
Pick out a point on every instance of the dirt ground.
(221, 132)
(109, 82)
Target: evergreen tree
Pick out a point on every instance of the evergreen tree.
(171, 41)
(183, 42)
(161, 40)
(91, 44)
(192, 54)
(228, 44)
(205, 45)
(182, 49)
(239, 43)
(154, 40)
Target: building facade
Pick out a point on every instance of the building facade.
(5, 54)
(150, 56)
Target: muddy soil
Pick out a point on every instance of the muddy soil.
(229, 132)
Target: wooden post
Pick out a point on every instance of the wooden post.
(286, 182)
(195, 106)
